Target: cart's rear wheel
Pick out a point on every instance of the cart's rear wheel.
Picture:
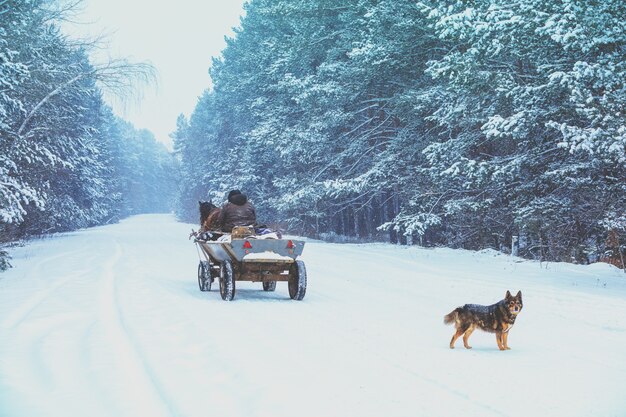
(297, 281)
(227, 280)
(269, 285)
(204, 276)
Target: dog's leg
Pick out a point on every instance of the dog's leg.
(499, 340)
(466, 336)
(505, 341)
(460, 329)
(456, 335)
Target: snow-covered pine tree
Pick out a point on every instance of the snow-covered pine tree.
(61, 159)
(451, 123)
(530, 120)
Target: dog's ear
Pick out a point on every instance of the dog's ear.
(519, 295)
(508, 295)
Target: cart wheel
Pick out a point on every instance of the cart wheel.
(297, 281)
(227, 281)
(269, 285)
(204, 276)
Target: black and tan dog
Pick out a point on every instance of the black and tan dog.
(497, 318)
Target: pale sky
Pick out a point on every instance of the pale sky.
(177, 38)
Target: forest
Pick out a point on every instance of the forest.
(467, 124)
(66, 161)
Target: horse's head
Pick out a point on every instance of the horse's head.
(206, 207)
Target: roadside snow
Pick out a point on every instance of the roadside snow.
(109, 321)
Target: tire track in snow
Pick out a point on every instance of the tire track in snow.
(21, 313)
(142, 392)
(215, 389)
(38, 327)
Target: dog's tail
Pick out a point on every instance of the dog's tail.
(452, 316)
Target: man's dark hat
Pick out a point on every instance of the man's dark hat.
(232, 194)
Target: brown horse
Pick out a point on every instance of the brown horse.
(209, 215)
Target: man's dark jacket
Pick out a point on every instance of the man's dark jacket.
(237, 212)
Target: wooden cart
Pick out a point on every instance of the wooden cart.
(258, 260)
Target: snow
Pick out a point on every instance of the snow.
(109, 321)
(266, 255)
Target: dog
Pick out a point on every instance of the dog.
(498, 318)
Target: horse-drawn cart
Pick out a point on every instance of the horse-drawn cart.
(251, 259)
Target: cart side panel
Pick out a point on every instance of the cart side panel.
(258, 246)
(216, 250)
(263, 271)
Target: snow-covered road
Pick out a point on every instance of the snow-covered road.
(109, 322)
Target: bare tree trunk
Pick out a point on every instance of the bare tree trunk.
(369, 223)
(621, 255)
(514, 245)
(45, 100)
(396, 201)
(341, 230)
